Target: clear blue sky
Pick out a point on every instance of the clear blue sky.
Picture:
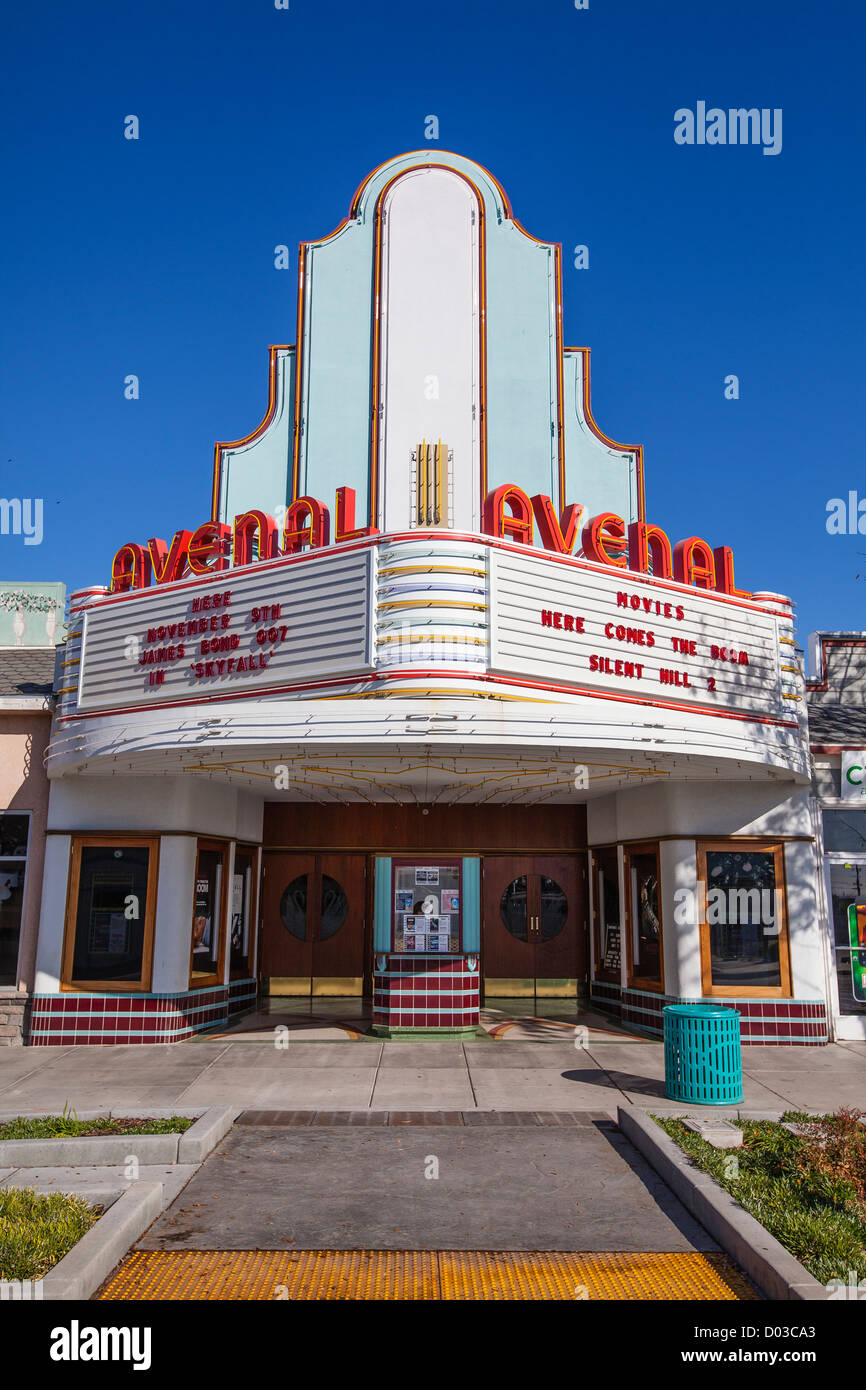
(155, 257)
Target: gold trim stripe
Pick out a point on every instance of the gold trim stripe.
(432, 568)
(434, 637)
(433, 603)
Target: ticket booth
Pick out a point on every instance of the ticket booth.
(426, 939)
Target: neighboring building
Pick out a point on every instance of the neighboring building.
(836, 696)
(31, 618)
(426, 699)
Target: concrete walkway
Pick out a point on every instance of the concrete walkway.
(97, 1182)
(576, 1187)
(431, 1075)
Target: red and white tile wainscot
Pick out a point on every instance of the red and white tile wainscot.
(64, 1020)
(785, 1022)
(425, 991)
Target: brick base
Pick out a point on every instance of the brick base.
(80, 1019)
(784, 1022)
(425, 993)
(14, 1019)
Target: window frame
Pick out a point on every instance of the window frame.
(835, 859)
(143, 984)
(235, 973)
(25, 859)
(841, 807)
(217, 976)
(784, 990)
(639, 981)
(419, 861)
(601, 973)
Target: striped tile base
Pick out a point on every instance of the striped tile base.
(61, 1020)
(784, 1022)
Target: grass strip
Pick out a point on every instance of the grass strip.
(806, 1190)
(69, 1126)
(37, 1231)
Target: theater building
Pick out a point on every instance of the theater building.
(427, 709)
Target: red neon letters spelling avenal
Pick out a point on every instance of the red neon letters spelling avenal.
(509, 514)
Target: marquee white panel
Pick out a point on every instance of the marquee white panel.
(323, 628)
(525, 587)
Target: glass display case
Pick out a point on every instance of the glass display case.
(427, 904)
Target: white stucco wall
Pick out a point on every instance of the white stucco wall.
(682, 946)
(699, 809)
(805, 928)
(153, 805)
(173, 926)
(49, 951)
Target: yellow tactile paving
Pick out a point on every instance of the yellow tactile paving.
(428, 1275)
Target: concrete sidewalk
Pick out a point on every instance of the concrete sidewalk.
(408, 1076)
(579, 1187)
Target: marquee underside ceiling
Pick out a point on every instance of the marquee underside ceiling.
(426, 776)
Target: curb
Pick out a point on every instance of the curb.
(196, 1143)
(774, 1270)
(72, 1151)
(88, 1264)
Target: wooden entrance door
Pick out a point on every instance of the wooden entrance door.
(533, 926)
(313, 923)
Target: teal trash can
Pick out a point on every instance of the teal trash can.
(703, 1062)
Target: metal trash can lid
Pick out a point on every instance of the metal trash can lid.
(699, 1011)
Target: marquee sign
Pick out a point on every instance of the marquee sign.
(239, 634)
(215, 613)
(576, 625)
(542, 620)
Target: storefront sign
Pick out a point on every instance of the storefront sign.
(853, 781)
(508, 514)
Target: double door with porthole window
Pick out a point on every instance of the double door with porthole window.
(313, 923)
(317, 924)
(533, 928)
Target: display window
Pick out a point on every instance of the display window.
(14, 838)
(208, 914)
(607, 922)
(742, 909)
(644, 933)
(845, 832)
(845, 850)
(242, 924)
(427, 907)
(848, 905)
(111, 906)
